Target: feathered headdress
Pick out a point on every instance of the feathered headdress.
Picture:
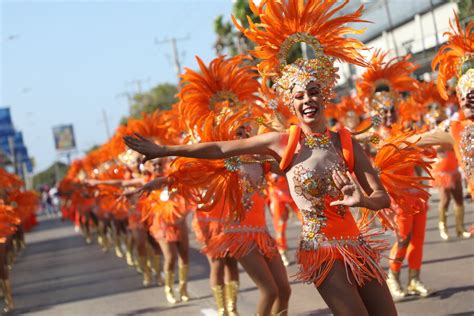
(315, 23)
(428, 102)
(455, 59)
(392, 76)
(224, 85)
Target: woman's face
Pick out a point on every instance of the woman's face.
(308, 103)
(467, 105)
(389, 116)
(241, 133)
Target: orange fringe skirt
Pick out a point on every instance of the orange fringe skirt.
(206, 228)
(238, 242)
(169, 232)
(446, 180)
(361, 256)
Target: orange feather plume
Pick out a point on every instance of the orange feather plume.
(394, 73)
(347, 104)
(224, 84)
(209, 182)
(9, 181)
(453, 53)
(396, 160)
(319, 22)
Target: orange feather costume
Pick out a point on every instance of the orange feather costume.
(329, 233)
(215, 104)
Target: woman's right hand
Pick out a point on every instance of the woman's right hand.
(144, 146)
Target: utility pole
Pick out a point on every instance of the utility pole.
(174, 47)
(106, 123)
(11, 144)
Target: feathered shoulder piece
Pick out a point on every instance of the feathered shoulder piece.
(226, 83)
(395, 162)
(455, 58)
(382, 82)
(317, 23)
(206, 182)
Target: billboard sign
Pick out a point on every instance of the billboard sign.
(64, 137)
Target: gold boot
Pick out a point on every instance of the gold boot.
(129, 254)
(284, 258)
(142, 262)
(10, 259)
(415, 286)
(155, 262)
(443, 229)
(281, 313)
(218, 292)
(183, 282)
(103, 241)
(118, 246)
(460, 231)
(231, 291)
(169, 284)
(7, 291)
(393, 283)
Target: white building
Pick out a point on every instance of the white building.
(402, 27)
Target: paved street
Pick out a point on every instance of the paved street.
(59, 274)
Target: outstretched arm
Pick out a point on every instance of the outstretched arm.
(264, 144)
(436, 137)
(155, 184)
(117, 182)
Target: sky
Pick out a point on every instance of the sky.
(68, 62)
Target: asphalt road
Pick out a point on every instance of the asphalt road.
(59, 274)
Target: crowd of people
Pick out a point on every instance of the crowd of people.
(256, 132)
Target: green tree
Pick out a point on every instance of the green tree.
(466, 11)
(161, 97)
(53, 173)
(229, 40)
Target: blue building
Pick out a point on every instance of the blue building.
(13, 152)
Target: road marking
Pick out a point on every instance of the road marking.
(209, 312)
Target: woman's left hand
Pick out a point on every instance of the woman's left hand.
(349, 187)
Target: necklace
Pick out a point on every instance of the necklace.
(318, 140)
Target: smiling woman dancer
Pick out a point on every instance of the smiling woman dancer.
(333, 253)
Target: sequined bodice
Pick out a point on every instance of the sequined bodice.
(313, 189)
(253, 182)
(467, 150)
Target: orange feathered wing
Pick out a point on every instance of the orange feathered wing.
(209, 181)
(396, 161)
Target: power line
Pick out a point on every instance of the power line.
(174, 48)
